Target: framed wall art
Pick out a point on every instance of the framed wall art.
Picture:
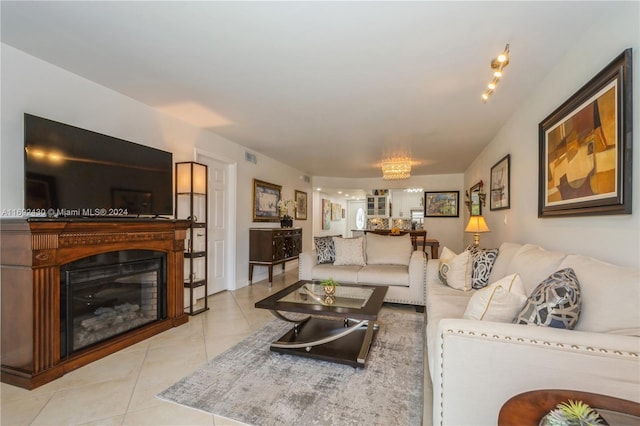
(301, 205)
(585, 148)
(326, 214)
(442, 204)
(500, 185)
(265, 201)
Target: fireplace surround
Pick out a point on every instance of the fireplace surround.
(118, 265)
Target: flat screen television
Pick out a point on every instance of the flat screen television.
(75, 172)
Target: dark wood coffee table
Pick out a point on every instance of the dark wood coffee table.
(339, 330)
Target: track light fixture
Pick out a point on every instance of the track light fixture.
(498, 65)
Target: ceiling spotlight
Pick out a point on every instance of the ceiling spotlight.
(497, 65)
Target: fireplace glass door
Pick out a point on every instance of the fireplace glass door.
(109, 294)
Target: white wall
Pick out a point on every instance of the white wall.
(448, 231)
(613, 238)
(37, 87)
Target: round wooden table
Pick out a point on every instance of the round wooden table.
(530, 407)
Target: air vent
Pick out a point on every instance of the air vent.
(250, 157)
(307, 179)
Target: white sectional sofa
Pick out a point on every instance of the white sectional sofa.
(476, 366)
(386, 260)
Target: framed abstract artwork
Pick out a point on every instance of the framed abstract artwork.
(326, 214)
(265, 201)
(301, 205)
(442, 204)
(500, 186)
(585, 148)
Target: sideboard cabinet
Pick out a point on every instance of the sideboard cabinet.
(273, 246)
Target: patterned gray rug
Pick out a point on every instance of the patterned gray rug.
(251, 384)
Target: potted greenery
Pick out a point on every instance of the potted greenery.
(572, 413)
(329, 286)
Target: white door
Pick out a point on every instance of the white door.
(217, 224)
(357, 214)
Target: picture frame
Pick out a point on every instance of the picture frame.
(475, 199)
(326, 214)
(585, 148)
(500, 184)
(336, 212)
(442, 204)
(301, 205)
(265, 201)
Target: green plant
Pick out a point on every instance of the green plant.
(573, 413)
(329, 283)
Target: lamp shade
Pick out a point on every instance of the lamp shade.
(477, 225)
(191, 177)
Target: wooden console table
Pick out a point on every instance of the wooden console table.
(32, 253)
(273, 246)
(417, 237)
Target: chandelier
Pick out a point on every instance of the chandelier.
(396, 168)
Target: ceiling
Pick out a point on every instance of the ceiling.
(331, 88)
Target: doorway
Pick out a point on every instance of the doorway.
(220, 223)
(357, 217)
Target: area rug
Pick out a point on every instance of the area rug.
(253, 385)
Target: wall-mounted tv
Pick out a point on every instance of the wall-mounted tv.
(75, 172)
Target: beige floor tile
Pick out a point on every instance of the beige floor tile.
(22, 411)
(168, 414)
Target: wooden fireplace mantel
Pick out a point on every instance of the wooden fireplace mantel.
(31, 254)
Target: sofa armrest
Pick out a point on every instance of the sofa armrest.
(433, 271)
(306, 261)
(417, 271)
(479, 365)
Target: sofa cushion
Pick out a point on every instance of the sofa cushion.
(455, 269)
(554, 303)
(481, 264)
(500, 301)
(505, 255)
(393, 275)
(388, 250)
(325, 249)
(610, 294)
(349, 251)
(342, 274)
(534, 264)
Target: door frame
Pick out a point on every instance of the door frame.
(231, 190)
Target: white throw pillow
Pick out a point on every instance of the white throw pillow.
(500, 301)
(388, 250)
(455, 269)
(349, 251)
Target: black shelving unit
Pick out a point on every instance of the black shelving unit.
(192, 204)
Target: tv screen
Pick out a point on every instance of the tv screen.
(75, 172)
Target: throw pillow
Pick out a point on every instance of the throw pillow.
(482, 262)
(555, 302)
(349, 251)
(455, 269)
(500, 301)
(325, 248)
(388, 250)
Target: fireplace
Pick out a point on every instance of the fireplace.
(76, 290)
(108, 294)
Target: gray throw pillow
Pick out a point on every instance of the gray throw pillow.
(326, 249)
(555, 302)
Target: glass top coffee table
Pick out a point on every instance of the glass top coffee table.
(338, 328)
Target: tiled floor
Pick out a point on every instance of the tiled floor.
(120, 389)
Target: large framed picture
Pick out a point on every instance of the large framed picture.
(585, 148)
(301, 205)
(265, 201)
(442, 204)
(500, 186)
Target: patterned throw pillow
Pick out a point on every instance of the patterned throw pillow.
(555, 302)
(325, 248)
(482, 262)
(349, 251)
(455, 269)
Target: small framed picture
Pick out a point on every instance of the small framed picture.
(442, 204)
(500, 196)
(301, 205)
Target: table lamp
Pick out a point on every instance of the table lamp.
(477, 225)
